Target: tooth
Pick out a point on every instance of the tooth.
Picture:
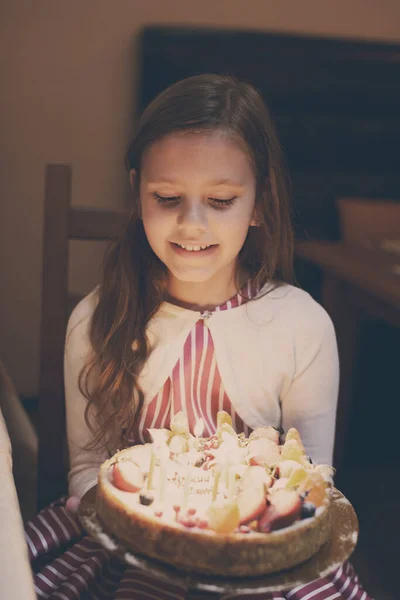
(193, 248)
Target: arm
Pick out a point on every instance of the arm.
(15, 573)
(84, 464)
(311, 400)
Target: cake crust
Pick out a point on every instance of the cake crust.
(202, 551)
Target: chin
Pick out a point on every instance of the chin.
(192, 275)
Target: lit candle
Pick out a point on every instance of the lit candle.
(198, 431)
(164, 456)
(151, 469)
(186, 488)
(217, 477)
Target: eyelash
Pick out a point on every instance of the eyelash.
(219, 203)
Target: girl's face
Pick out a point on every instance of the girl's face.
(197, 195)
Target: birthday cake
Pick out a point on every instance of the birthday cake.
(223, 505)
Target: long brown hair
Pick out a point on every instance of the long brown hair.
(133, 281)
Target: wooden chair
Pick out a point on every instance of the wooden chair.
(62, 223)
(367, 222)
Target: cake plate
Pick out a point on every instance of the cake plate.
(329, 558)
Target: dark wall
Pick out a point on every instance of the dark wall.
(336, 104)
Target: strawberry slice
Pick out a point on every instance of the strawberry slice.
(251, 499)
(284, 509)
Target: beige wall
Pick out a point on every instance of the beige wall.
(68, 72)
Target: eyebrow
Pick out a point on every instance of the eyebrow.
(213, 183)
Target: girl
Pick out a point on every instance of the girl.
(196, 313)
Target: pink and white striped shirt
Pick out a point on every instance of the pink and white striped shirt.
(194, 386)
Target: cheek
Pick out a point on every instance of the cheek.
(157, 226)
(238, 219)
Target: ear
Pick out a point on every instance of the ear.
(132, 177)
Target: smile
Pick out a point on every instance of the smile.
(192, 248)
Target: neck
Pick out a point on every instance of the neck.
(200, 296)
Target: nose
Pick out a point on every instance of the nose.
(193, 216)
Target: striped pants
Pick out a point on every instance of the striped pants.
(69, 565)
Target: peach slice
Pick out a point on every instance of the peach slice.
(223, 417)
(287, 466)
(292, 450)
(297, 476)
(284, 509)
(251, 499)
(127, 476)
(293, 434)
(223, 517)
(316, 488)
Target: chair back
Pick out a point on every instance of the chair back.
(62, 223)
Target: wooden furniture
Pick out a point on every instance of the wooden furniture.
(367, 222)
(62, 223)
(357, 282)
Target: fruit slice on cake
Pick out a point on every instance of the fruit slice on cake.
(265, 432)
(266, 451)
(315, 486)
(223, 517)
(127, 476)
(284, 508)
(293, 450)
(251, 499)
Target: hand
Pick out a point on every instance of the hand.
(72, 504)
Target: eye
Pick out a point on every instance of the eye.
(222, 202)
(167, 200)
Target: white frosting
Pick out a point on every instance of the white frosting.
(185, 475)
(173, 478)
(170, 489)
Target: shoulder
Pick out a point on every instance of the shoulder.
(301, 328)
(83, 311)
(79, 321)
(293, 307)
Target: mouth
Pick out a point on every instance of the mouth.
(193, 249)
